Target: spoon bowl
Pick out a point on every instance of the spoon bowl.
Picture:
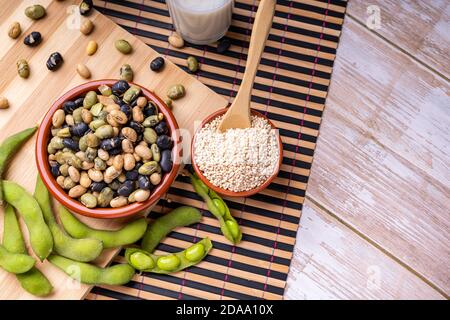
(226, 192)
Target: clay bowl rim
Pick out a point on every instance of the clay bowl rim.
(226, 192)
(104, 213)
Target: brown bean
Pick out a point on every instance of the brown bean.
(58, 118)
(86, 165)
(118, 162)
(118, 202)
(110, 174)
(143, 151)
(128, 161)
(91, 48)
(141, 195)
(122, 178)
(86, 26)
(77, 191)
(138, 115)
(60, 181)
(141, 102)
(95, 175)
(127, 146)
(69, 120)
(137, 157)
(83, 71)
(103, 154)
(85, 181)
(74, 174)
(110, 119)
(129, 134)
(86, 115)
(119, 116)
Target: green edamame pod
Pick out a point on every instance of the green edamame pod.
(40, 236)
(15, 262)
(116, 275)
(33, 281)
(169, 263)
(219, 209)
(12, 235)
(83, 250)
(129, 234)
(158, 229)
(8, 148)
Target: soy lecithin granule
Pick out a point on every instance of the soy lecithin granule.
(238, 159)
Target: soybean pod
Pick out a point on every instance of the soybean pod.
(219, 209)
(8, 148)
(173, 262)
(158, 229)
(41, 239)
(15, 262)
(33, 281)
(129, 234)
(86, 273)
(83, 250)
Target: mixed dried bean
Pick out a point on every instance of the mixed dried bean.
(113, 142)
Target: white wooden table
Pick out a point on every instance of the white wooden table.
(376, 221)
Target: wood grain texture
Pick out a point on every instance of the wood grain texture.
(30, 98)
(419, 27)
(382, 164)
(332, 262)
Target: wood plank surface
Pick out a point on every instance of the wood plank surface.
(332, 262)
(30, 98)
(382, 162)
(421, 28)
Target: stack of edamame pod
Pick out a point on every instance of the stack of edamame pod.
(73, 244)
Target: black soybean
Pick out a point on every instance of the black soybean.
(223, 45)
(71, 144)
(150, 110)
(54, 61)
(125, 108)
(120, 87)
(166, 160)
(144, 182)
(110, 144)
(69, 106)
(126, 188)
(162, 128)
(86, 7)
(157, 64)
(164, 142)
(79, 129)
(98, 186)
(136, 126)
(79, 101)
(54, 167)
(115, 151)
(33, 39)
(132, 175)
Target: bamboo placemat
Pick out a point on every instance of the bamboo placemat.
(291, 88)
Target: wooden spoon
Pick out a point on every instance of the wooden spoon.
(238, 115)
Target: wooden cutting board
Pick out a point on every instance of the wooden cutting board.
(30, 98)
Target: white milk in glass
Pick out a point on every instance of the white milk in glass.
(201, 21)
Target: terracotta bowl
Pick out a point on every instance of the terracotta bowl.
(226, 192)
(43, 166)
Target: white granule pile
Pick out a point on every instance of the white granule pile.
(238, 159)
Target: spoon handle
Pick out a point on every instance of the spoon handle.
(260, 32)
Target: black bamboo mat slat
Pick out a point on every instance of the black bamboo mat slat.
(291, 89)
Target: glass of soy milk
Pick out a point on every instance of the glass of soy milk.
(201, 21)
